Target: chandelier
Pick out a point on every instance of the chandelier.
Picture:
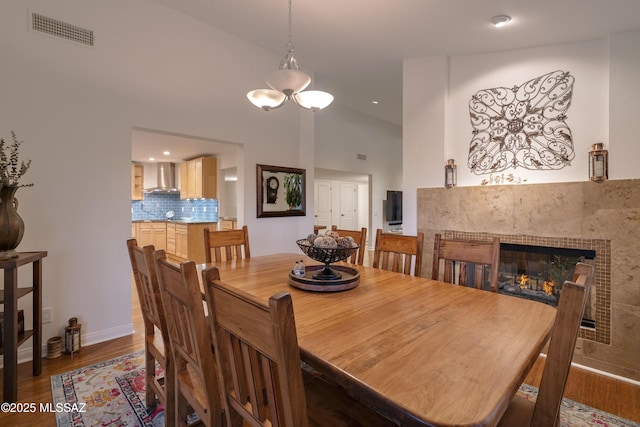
(288, 82)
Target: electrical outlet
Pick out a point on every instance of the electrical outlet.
(47, 315)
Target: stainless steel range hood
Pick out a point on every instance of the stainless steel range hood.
(166, 179)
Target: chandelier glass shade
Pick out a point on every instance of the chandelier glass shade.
(288, 82)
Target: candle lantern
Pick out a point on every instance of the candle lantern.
(598, 163)
(72, 342)
(450, 174)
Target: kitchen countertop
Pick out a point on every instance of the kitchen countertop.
(176, 221)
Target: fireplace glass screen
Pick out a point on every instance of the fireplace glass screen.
(538, 272)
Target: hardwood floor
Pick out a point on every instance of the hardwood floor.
(608, 394)
(38, 389)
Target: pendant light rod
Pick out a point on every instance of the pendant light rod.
(290, 42)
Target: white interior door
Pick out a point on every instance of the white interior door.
(322, 199)
(348, 205)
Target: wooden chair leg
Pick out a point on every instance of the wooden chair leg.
(150, 367)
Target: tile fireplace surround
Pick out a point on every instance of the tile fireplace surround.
(585, 215)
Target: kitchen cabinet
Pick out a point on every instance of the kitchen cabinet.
(188, 241)
(181, 241)
(171, 238)
(153, 233)
(178, 241)
(137, 181)
(199, 178)
(228, 224)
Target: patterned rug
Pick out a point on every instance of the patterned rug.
(113, 391)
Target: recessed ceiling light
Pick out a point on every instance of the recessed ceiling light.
(500, 20)
(374, 102)
(151, 159)
(166, 153)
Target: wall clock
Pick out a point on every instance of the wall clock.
(272, 189)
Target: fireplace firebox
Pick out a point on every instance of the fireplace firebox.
(538, 272)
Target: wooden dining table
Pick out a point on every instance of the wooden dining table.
(420, 351)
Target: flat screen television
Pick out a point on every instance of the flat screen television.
(394, 207)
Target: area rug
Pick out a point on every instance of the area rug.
(113, 392)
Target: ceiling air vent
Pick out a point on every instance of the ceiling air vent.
(61, 29)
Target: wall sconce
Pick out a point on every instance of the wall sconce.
(598, 163)
(450, 174)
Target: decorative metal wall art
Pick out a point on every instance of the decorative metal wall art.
(523, 126)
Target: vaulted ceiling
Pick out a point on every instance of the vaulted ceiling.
(356, 47)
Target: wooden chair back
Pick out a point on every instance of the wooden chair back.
(573, 299)
(545, 411)
(156, 336)
(257, 349)
(459, 257)
(192, 349)
(226, 245)
(360, 238)
(396, 252)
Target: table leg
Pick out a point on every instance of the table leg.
(10, 344)
(37, 317)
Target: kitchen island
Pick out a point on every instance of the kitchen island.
(182, 239)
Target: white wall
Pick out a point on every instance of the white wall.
(75, 107)
(342, 134)
(424, 98)
(624, 105)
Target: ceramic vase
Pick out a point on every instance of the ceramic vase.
(11, 224)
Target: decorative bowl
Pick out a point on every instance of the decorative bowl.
(326, 256)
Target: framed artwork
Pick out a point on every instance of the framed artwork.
(280, 191)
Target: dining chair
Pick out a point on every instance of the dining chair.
(460, 257)
(545, 410)
(225, 245)
(196, 382)
(395, 252)
(156, 337)
(256, 347)
(360, 237)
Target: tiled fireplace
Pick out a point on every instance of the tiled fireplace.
(603, 218)
(600, 301)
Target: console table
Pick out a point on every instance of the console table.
(11, 339)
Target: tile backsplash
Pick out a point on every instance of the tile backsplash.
(156, 205)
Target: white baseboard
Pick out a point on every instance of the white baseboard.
(25, 353)
(603, 373)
